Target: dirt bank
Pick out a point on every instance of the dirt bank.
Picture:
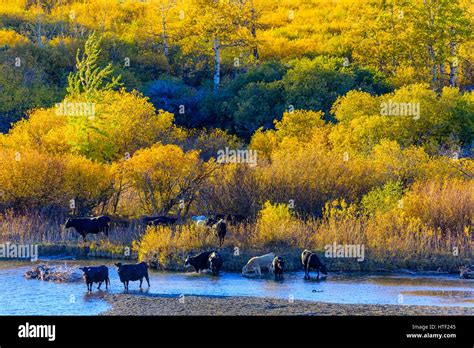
(143, 304)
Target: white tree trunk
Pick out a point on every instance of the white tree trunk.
(165, 32)
(217, 64)
(453, 66)
(253, 30)
(434, 67)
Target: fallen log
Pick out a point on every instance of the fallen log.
(62, 274)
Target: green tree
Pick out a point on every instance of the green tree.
(89, 78)
(441, 27)
(382, 198)
(316, 84)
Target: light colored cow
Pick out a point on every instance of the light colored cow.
(256, 263)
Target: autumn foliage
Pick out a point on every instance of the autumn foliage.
(305, 84)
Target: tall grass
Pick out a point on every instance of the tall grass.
(431, 225)
(36, 227)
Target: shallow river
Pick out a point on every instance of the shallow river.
(21, 296)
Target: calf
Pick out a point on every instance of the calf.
(278, 266)
(129, 273)
(311, 261)
(215, 263)
(256, 263)
(98, 274)
(199, 262)
(87, 225)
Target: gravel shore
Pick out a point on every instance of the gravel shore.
(143, 304)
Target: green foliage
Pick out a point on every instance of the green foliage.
(234, 71)
(257, 105)
(329, 49)
(89, 78)
(382, 198)
(442, 122)
(299, 124)
(315, 84)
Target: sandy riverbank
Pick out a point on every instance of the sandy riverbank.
(143, 304)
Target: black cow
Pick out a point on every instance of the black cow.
(123, 223)
(221, 231)
(311, 261)
(214, 219)
(210, 222)
(278, 265)
(215, 263)
(133, 273)
(159, 220)
(235, 219)
(199, 262)
(87, 225)
(147, 219)
(98, 274)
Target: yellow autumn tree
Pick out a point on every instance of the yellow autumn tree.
(165, 177)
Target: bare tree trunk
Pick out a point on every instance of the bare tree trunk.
(431, 51)
(253, 31)
(442, 72)
(217, 64)
(39, 42)
(453, 66)
(117, 198)
(434, 68)
(165, 33)
(104, 18)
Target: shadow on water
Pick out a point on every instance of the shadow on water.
(21, 296)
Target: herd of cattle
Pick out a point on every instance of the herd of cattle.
(95, 225)
(206, 261)
(209, 260)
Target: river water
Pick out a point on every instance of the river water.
(21, 296)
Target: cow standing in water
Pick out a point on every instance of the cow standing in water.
(199, 262)
(89, 225)
(256, 263)
(95, 275)
(215, 263)
(132, 273)
(278, 266)
(311, 261)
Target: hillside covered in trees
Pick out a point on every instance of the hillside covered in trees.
(361, 114)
